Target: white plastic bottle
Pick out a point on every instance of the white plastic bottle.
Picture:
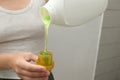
(72, 12)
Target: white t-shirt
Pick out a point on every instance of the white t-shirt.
(20, 31)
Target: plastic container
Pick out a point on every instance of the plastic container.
(45, 59)
(72, 12)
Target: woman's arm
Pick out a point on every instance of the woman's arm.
(4, 61)
(19, 62)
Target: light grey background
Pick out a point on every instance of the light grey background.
(75, 50)
(108, 64)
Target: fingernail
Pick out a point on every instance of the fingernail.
(43, 68)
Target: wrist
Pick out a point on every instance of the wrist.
(5, 61)
(10, 60)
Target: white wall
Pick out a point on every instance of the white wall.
(108, 65)
(75, 50)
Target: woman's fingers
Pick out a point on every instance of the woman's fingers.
(31, 67)
(26, 70)
(33, 74)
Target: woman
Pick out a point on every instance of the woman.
(21, 37)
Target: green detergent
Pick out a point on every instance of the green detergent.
(46, 21)
(45, 56)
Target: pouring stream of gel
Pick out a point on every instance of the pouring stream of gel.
(46, 20)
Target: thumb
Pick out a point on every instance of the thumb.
(30, 57)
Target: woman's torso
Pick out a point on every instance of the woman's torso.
(21, 30)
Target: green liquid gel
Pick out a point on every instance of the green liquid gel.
(46, 21)
(45, 56)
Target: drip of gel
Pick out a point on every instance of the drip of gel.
(45, 56)
(46, 20)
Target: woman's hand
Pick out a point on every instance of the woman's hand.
(20, 64)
